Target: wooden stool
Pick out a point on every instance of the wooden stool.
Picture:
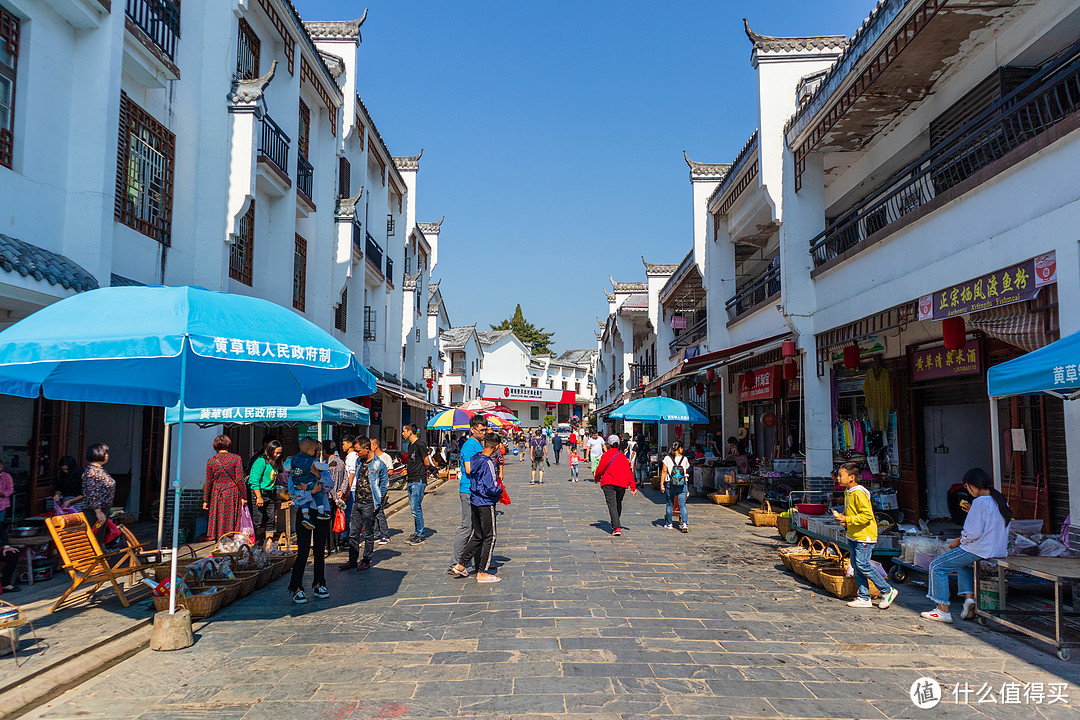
(12, 623)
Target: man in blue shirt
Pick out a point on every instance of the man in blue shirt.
(485, 491)
(473, 446)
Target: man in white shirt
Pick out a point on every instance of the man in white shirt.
(595, 449)
(382, 530)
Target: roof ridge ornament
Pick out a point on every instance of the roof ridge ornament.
(346, 207)
(409, 162)
(772, 43)
(705, 171)
(251, 91)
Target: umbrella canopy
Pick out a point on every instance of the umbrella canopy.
(334, 411)
(664, 410)
(477, 405)
(127, 345)
(496, 421)
(509, 417)
(452, 419)
(1050, 369)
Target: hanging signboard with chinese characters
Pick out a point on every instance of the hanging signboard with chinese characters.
(1013, 284)
(940, 363)
(764, 386)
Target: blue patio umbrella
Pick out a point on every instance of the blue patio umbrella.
(168, 346)
(332, 411)
(1050, 369)
(663, 410)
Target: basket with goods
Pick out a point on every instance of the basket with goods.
(817, 548)
(840, 581)
(830, 558)
(726, 496)
(763, 517)
(783, 524)
(201, 602)
(185, 555)
(282, 549)
(788, 554)
(231, 544)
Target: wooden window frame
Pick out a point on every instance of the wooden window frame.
(241, 256)
(303, 131)
(341, 312)
(136, 122)
(254, 45)
(300, 274)
(9, 38)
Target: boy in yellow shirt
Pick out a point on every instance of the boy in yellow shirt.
(861, 526)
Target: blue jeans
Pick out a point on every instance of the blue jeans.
(860, 562)
(416, 497)
(671, 493)
(959, 561)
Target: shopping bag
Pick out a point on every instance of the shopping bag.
(111, 531)
(505, 499)
(247, 527)
(339, 521)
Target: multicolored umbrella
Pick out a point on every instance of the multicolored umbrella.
(478, 404)
(496, 421)
(509, 417)
(452, 419)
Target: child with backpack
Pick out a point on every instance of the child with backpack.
(574, 460)
(673, 483)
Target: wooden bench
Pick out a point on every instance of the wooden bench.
(87, 564)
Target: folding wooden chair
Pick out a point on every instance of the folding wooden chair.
(140, 552)
(88, 565)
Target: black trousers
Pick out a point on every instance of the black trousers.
(614, 496)
(263, 518)
(304, 538)
(10, 562)
(362, 530)
(481, 543)
(557, 453)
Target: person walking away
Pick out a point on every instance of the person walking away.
(98, 489)
(225, 489)
(556, 446)
(574, 460)
(538, 451)
(416, 473)
(594, 450)
(382, 530)
(311, 539)
(615, 476)
(365, 500)
(484, 493)
(861, 526)
(473, 446)
(673, 477)
(985, 535)
(573, 441)
(261, 482)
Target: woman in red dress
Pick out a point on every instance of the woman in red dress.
(224, 489)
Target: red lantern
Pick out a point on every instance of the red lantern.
(710, 375)
(748, 379)
(700, 387)
(719, 386)
(852, 357)
(954, 332)
(788, 349)
(791, 370)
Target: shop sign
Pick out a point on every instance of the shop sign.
(764, 386)
(527, 394)
(794, 388)
(311, 430)
(940, 363)
(1002, 287)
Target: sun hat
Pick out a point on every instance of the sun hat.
(613, 439)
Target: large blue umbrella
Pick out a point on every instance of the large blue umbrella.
(1050, 369)
(663, 410)
(333, 411)
(185, 346)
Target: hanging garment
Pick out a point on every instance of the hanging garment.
(877, 387)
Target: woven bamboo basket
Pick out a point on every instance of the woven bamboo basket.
(839, 584)
(829, 559)
(234, 554)
(724, 498)
(161, 570)
(783, 526)
(230, 590)
(248, 579)
(789, 553)
(200, 606)
(278, 567)
(264, 577)
(763, 517)
(817, 549)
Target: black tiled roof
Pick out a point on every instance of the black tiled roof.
(31, 261)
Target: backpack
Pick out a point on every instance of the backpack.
(677, 474)
(537, 450)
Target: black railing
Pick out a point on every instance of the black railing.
(357, 238)
(1045, 99)
(689, 336)
(390, 269)
(641, 374)
(373, 251)
(304, 175)
(274, 144)
(758, 290)
(160, 20)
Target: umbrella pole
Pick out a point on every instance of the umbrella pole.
(176, 481)
(164, 484)
(995, 442)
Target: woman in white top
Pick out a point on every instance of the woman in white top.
(985, 535)
(674, 479)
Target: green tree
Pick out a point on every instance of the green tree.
(549, 421)
(531, 336)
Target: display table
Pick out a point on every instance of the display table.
(1057, 570)
(25, 546)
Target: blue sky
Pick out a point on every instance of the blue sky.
(553, 133)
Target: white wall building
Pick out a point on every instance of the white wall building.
(459, 380)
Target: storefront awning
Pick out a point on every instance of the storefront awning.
(711, 360)
(408, 398)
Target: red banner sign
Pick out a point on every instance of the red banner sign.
(1001, 287)
(764, 386)
(940, 363)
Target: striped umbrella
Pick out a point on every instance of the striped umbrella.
(509, 417)
(477, 405)
(452, 419)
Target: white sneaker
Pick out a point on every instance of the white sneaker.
(860, 603)
(887, 599)
(968, 613)
(668, 526)
(936, 614)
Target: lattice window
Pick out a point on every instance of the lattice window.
(144, 173)
(341, 312)
(299, 282)
(286, 37)
(307, 74)
(9, 58)
(304, 129)
(241, 259)
(369, 322)
(390, 225)
(344, 178)
(247, 52)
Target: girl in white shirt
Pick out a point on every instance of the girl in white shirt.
(674, 479)
(985, 535)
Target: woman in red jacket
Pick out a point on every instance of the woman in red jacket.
(615, 475)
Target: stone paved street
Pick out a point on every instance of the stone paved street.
(583, 625)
